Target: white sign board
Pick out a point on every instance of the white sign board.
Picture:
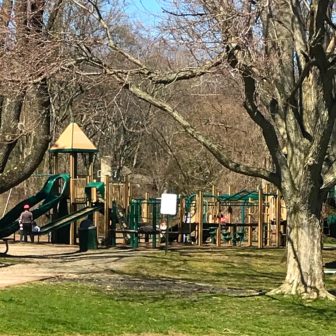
(168, 204)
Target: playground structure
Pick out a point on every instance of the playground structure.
(244, 218)
(59, 200)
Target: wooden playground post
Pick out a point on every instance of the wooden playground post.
(267, 214)
(73, 165)
(219, 230)
(146, 208)
(120, 194)
(55, 163)
(231, 229)
(154, 223)
(219, 236)
(127, 195)
(199, 205)
(54, 170)
(217, 204)
(213, 213)
(260, 218)
(96, 215)
(107, 205)
(112, 192)
(94, 195)
(180, 222)
(230, 213)
(249, 220)
(73, 175)
(90, 170)
(277, 219)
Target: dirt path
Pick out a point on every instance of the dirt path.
(33, 262)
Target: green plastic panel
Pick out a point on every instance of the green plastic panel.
(49, 196)
(66, 220)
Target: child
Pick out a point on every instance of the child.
(21, 232)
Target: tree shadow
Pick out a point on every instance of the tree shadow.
(300, 306)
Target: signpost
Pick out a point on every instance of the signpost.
(168, 207)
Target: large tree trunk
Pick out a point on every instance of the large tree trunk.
(305, 275)
(13, 171)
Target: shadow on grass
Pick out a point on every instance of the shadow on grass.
(309, 310)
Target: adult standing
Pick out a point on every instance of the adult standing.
(26, 219)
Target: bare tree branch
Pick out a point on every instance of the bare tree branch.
(213, 148)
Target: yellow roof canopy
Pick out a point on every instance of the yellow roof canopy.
(73, 139)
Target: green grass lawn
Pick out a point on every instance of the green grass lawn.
(84, 309)
(233, 268)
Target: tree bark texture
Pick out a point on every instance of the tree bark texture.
(304, 275)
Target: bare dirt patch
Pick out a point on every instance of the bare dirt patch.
(103, 268)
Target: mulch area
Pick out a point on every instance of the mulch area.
(109, 281)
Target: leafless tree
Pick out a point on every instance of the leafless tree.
(282, 53)
(27, 59)
(39, 43)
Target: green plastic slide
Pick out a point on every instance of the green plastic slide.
(66, 220)
(55, 188)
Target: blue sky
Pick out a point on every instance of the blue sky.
(153, 6)
(145, 11)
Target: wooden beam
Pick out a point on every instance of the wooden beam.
(146, 208)
(107, 206)
(260, 218)
(181, 218)
(200, 217)
(249, 221)
(73, 175)
(90, 171)
(277, 219)
(267, 214)
(55, 163)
